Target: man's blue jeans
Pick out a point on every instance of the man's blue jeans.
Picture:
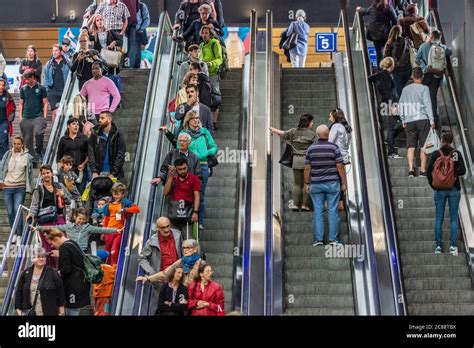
(13, 197)
(202, 202)
(321, 192)
(453, 197)
(134, 47)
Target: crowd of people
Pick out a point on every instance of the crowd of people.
(81, 208)
(413, 63)
(84, 197)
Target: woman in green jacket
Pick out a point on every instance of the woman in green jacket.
(203, 145)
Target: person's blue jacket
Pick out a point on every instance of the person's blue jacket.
(48, 74)
(143, 17)
(302, 29)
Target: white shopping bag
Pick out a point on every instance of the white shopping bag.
(432, 142)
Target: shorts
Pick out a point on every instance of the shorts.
(54, 98)
(417, 132)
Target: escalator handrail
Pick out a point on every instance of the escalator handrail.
(122, 265)
(368, 238)
(389, 218)
(269, 262)
(246, 167)
(467, 227)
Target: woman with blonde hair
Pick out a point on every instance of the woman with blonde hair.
(387, 96)
(84, 58)
(203, 145)
(100, 37)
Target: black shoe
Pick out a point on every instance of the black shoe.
(411, 174)
(423, 174)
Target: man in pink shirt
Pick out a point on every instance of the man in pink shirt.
(99, 90)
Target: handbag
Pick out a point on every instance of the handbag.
(291, 41)
(216, 98)
(287, 157)
(112, 57)
(47, 215)
(180, 210)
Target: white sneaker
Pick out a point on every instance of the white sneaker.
(292, 206)
(453, 250)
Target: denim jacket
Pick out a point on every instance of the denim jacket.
(48, 73)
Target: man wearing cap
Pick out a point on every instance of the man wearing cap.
(56, 72)
(67, 50)
(33, 113)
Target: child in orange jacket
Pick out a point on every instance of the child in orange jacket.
(102, 292)
(115, 215)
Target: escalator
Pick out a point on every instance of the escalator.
(222, 227)
(313, 283)
(434, 284)
(217, 241)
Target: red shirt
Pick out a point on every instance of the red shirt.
(168, 251)
(184, 190)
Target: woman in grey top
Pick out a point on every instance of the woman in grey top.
(299, 139)
(340, 133)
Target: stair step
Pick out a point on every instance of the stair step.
(317, 301)
(320, 311)
(432, 271)
(438, 283)
(441, 309)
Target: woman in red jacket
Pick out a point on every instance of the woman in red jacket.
(206, 297)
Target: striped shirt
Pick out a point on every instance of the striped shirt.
(323, 157)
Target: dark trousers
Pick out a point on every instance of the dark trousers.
(379, 46)
(134, 46)
(394, 129)
(33, 127)
(433, 84)
(401, 79)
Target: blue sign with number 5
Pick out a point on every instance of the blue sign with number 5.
(326, 42)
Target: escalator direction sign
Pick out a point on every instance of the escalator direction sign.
(326, 42)
(373, 56)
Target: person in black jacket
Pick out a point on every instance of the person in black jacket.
(84, 58)
(71, 269)
(194, 167)
(192, 34)
(39, 277)
(74, 144)
(31, 63)
(452, 195)
(398, 47)
(382, 18)
(387, 95)
(101, 38)
(173, 298)
(187, 13)
(107, 148)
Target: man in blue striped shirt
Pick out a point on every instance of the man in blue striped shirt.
(325, 178)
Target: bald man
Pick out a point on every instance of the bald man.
(325, 178)
(160, 251)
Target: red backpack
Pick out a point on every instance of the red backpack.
(444, 175)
